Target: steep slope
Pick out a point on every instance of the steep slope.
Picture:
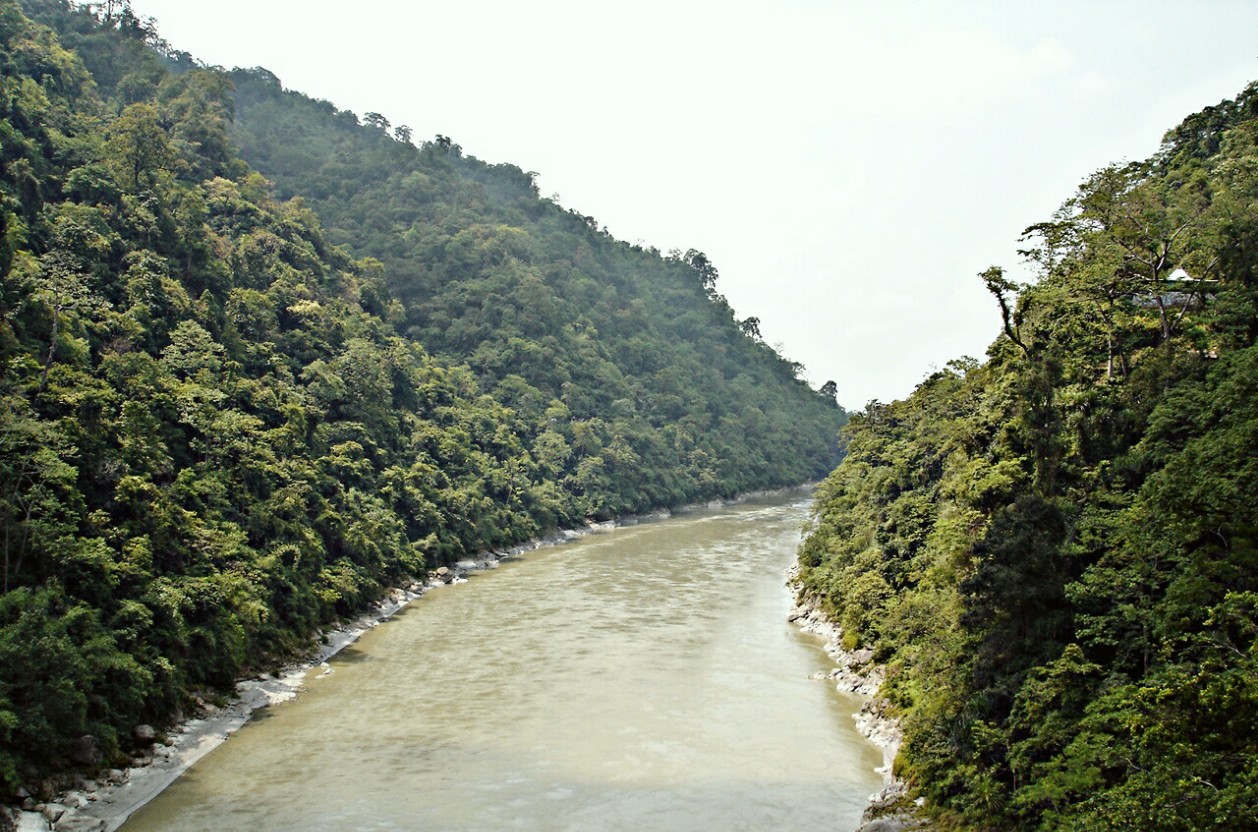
(1054, 552)
(213, 437)
(644, 356)
(210, 443)
(626, 369)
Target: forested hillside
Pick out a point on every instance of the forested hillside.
(640, 349)
(1055, 552)
(221, 428)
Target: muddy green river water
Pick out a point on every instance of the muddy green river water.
(641, 679)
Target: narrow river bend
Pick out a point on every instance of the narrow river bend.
(643, 679)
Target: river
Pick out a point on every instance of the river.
(641, 679)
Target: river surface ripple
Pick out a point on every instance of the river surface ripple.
(643, 679)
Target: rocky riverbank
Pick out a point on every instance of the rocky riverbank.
(890, 809)
(105, 801)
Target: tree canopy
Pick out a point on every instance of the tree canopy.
(227, 421)
(1053, 552)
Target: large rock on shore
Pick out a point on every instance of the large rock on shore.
(85, 751)
(78, 822)
(53, 812)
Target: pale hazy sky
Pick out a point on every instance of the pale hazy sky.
(848, 166)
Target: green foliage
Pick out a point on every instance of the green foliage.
(1054, 552)
(668, 399)
(219, 431)
(66, 674)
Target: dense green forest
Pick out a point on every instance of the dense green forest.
(231, 416)
(1055, 552)
(544, 305)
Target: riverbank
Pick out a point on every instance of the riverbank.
(855, 671)
(106, 802)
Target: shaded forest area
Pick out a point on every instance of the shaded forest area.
(1055, 553)
(230, 417)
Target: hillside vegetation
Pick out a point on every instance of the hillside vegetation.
(640, 349)
(1055, 552)
(224, 425)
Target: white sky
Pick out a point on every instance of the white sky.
(848, 166)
